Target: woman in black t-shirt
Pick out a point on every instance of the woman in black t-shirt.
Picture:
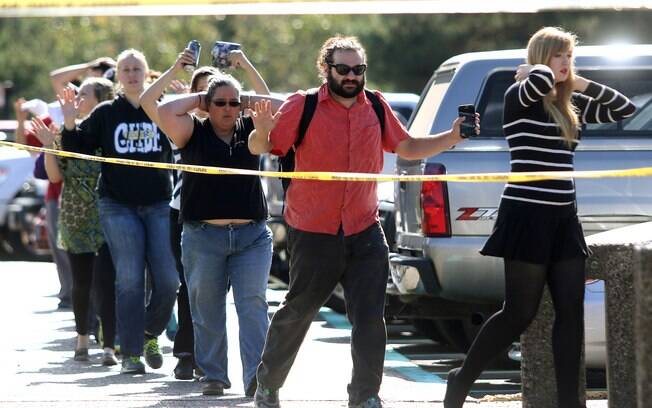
(133, 208)
(225, 239)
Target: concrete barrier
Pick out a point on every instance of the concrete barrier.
(643, 324)
(614, 259)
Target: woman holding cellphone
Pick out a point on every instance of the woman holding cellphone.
(150, 100)
(225, 239)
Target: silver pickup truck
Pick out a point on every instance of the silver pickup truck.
(438, 276)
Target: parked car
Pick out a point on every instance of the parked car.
(23, 231)
(402, 105)
(438, 275)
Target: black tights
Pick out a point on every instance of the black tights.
(104, 284)
(88, 270)
(524, 283)
(81, 266)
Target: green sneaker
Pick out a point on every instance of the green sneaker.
(132, 365)
(153, 356)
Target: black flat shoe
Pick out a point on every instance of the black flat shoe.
(184, 368)
(455, 394)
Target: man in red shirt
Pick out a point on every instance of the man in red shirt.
(334, 233)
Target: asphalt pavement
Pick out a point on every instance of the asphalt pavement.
(37, 369)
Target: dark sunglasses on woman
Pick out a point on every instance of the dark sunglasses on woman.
(222, 103)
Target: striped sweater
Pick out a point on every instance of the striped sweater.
(535, 140)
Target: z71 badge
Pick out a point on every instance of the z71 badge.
(477, 214)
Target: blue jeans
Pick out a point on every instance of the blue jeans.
(137, 237)
(215, 257)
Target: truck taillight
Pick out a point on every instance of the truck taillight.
(435, 219)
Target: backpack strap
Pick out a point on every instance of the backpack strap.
(378, 107)
(309, 107)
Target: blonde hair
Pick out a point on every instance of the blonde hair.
(543, 45)
(130, 53)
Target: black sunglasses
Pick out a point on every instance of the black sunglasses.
(221, 103)
(344, 69)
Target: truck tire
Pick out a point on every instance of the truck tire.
(460, 333)
(22, 250)
(429, 329)
(453, 333)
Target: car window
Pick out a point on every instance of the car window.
(634, 83)
(422, 122)
(404, 111)
(491, 102)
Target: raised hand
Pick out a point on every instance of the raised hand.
(457, 123)
(522, 72)
(178, 87)
(261, 114)
(69, 107)
(238, 59)
(185, 57)
(46, 135)
(21, 115)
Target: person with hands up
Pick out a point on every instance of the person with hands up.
(80, 233)
(184, 342)
(133, 208)
(334, 233)
(538, 233)
(225, 240)
(63, 77)
(28, 136)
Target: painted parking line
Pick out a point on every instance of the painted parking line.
(393, 360)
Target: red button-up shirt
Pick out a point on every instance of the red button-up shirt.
(342, 140)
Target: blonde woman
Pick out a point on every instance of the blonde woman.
(133, 207)
(537, 232)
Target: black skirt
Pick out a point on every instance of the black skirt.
(536, 233)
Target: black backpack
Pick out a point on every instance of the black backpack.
(286, 163)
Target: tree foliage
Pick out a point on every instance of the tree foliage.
(403, 50)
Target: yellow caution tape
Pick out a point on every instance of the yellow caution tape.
(342, 176)
(102, 3)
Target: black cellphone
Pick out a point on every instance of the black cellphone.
(467, 127)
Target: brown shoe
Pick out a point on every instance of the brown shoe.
(212, 388)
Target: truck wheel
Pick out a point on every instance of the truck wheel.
(428, 328)
(454, 334)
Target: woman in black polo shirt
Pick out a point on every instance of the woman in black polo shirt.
(225, 239)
